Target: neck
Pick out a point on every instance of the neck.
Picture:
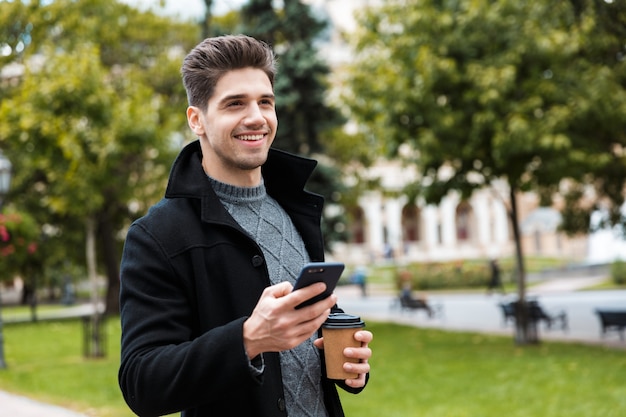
(238, 177)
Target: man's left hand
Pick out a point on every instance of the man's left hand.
(362, 353)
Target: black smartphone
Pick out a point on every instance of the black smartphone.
(327, 272)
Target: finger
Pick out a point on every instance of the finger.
(279, 290)
(364, 336)
(312, 319)
(320, 308)
(303, 294)
(319, 343)
(360, 368)
(357, 382)
(308, 320)
(358, 353)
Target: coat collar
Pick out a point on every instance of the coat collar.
(285, 176)
(282, 173)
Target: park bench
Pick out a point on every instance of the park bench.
(407, 302)
(508, 312)
(612, 320)
(93, 329)
(537, 314)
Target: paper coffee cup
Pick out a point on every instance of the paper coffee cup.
(338, 332)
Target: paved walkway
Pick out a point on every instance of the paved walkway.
(12, 405)
(480, 312)
(461, 312)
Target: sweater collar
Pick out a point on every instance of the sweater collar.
(282, 173)
(235, 194)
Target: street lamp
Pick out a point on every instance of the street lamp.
(5, 176)
(5, 182)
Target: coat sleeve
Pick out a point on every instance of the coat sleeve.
(166, 366)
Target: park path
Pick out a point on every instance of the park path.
(480, 311)
(12, 405)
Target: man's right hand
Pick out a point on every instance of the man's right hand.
(276, 325)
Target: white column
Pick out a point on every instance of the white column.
(500, 221)
(393, 216)
(482, 213)
(373, 214)
(448, 220)
(430, 222)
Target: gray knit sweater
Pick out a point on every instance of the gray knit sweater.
(270, 226)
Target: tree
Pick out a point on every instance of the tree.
(489, 90)
(90, 124)
(602, 119)
(208, 15)
(301, 86)
(305, 116)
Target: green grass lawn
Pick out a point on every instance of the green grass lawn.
(430, 373)
(415, 372)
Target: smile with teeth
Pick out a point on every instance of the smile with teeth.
(251, 137)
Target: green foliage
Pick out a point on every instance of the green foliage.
(532, 92)
(459, 274)
(618, 272)
(446, 275)
(91, 123)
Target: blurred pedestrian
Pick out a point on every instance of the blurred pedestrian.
(495, 280)
(359, 277)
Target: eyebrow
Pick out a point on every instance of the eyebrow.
(243, 96)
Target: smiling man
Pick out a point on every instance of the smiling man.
(236, 127)
(209, 324)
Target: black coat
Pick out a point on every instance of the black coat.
(190, 277)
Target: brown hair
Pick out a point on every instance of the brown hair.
(212, 58)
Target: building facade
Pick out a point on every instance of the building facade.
(385, 225)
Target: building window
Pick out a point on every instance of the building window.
(357, 229)
(411, 223)
(463, 221)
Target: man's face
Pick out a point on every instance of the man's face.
(238, 127)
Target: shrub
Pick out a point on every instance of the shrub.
(18, 242)
(440, 275)
(618, 272)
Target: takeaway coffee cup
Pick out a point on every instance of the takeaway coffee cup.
(338, 332)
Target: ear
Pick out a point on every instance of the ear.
(194, 120)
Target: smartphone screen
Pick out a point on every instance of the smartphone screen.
(327, 272)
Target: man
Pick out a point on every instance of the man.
(209, 324)
(495, 282)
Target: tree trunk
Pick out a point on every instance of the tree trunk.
(110, 258)
(95, 345)
(525, 328)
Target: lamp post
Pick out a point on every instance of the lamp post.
(5, 182)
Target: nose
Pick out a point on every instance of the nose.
(254, 116)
